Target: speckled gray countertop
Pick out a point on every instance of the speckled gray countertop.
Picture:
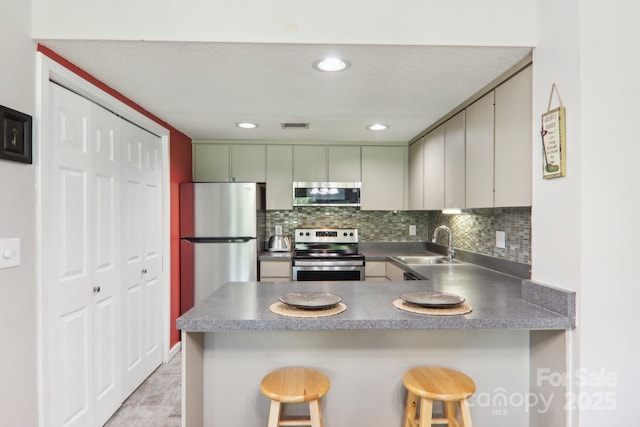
(496, 300)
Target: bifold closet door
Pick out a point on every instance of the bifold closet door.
(142, 253)
(81, 258)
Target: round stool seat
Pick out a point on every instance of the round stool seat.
(437, 383)
(295, 385)
(426, 384)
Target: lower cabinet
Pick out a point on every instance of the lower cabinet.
(380, 271)
(375, 271)
(393, 273)
(275, 271)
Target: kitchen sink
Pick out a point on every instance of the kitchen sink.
(425, 260)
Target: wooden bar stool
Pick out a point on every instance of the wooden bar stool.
(295, 385)
(429, 383)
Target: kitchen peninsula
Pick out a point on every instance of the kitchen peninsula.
(232, 339)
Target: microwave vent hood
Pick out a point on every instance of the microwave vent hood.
(326, 194)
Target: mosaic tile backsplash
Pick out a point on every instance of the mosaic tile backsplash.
(473, 231)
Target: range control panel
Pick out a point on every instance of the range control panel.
(326, 235)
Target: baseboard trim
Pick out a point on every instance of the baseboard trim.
(174, 350)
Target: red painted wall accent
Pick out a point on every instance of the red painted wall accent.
(180, 171)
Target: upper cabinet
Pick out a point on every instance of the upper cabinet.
(416, 176)
(479, 153)
(229, 162)
(344, 164)
(247, 163)
(310, 163)
(279, 177)
(479, 158)
(513, 133)
(313, 163)
(210, 162)
(454, 162)
(433, 148)
(383, 177)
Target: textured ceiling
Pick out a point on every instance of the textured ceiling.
(203, 89)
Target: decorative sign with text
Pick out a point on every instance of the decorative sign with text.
(553, 143)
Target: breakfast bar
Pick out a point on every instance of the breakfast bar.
(232, 339)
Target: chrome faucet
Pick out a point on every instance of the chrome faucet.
(450, 250)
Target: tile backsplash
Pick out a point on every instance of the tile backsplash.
(474, 230)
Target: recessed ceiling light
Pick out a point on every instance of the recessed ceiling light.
(246, 125)
(331, 64)
(377, 126)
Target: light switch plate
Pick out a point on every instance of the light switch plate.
(412, 230)
(501, 239)
(9, 253)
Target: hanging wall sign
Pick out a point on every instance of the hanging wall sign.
(553, 141)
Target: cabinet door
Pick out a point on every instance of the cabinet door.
(275, 271)
(479, 153)
(395, 274)
(383, 178)
(344, 164)
(375, 271)
(279, 177)
(513, 135)
(210, 162)
(454, 160)
(247, 163)
(434, 169)
(416, 176)
(310, 163)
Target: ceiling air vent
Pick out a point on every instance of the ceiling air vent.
(294, 125)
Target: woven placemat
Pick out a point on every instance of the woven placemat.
(461, 308)
(286, 310)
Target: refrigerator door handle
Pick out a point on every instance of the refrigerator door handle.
(218, 239)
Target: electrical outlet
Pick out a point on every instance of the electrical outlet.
(501, 239)
(412, 230)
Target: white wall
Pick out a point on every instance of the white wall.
(584, 227)
(610, 202)
(455, 22)
(18, 402)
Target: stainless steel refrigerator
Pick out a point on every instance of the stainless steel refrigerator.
(220, 233)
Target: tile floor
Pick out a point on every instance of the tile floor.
(156, 403)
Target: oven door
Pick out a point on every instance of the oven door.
(327, 270)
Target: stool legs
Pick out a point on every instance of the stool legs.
(450, 413)
(465, 413)
(314, 420)
(274, 413)
(315, 414)
(426, 413)
(410, 410)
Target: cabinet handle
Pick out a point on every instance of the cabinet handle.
(144, 271)
(96, 289)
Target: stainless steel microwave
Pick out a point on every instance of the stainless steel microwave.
(326, 193)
